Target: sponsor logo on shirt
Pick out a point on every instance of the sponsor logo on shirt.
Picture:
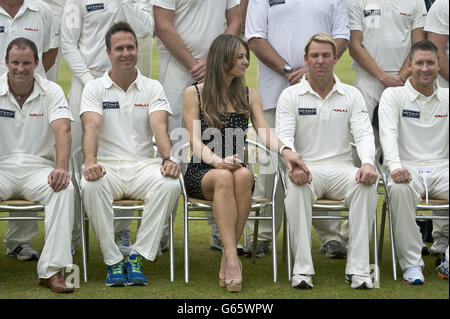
(307, 111)
(95, 7)
(405, 14)
(2, 28)
(141, 104)
(63, 107)
(31, 29)
(7, 113)
(440, 115)
(340, 110)
(36, 114)
(275, 2)
(372, 12)
(411, 114)
(110, 105)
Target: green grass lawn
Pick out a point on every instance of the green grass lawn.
(19, 279)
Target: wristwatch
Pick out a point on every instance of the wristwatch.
(287, 68)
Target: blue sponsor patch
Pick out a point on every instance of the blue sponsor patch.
(304, 111)
(2, 28)
(7, 113)
(411, 114)
(95, 7)
(372, 12)
(110, 105)
(275, 2)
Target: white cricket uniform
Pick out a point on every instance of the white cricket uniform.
(34, 21)
(287, 26)
(125, 150)
(198, 23)
(321, 130)
(437, 22)
(57, 7)
(26, 160)
(386, 26)
(83, 33)
(414, 135)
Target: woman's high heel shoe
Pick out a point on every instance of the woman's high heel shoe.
(234, 285)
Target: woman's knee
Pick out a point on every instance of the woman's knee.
(243, 176)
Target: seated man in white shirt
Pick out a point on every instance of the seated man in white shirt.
(414, 135)
(120, 112)
(34, 123)
(318, 118)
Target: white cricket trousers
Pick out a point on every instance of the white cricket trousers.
(131, 180)
(404, 198)
(30, 181)
(327, 230)
(331, 182)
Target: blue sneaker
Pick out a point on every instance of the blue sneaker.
(133, 268)
(116, 276)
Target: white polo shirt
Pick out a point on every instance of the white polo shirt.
(287, 26)
(34, 21)
(414, 128)
(26, 135)
(386, 26)
(57, 7)
(320, 130)
(125, 133)
(437, 22)
(198, 22)
(85, 25)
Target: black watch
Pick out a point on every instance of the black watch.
(168, 158)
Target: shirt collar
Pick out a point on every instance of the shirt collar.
(107, 82)
(413, 94)
(305, 87)
(39, 86)
(27, 4)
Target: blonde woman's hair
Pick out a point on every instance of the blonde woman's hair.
(321, 37)
(216, 95)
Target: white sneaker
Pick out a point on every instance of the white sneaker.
(23, 252)
(359, 282)
(413, 276)
(439, 246)
(302, 282)
(124, 244)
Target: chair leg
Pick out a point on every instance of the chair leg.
(172, 270)
(391, 231)
(186, 242)
(284, 255)
(274, 245)
(255, 236)
(382, 227)
(375, 251)
(288, 252)
(84, 252)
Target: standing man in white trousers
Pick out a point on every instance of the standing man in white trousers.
(34, 125)
(120, 113)
(414, 129)
(317, 118)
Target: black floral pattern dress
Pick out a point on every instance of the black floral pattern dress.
(232, 140)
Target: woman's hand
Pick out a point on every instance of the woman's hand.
(230, 163)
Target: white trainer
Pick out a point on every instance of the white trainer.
(439, 246)
(413, 276)
(359, 282)
(302, 282)
(23, 252)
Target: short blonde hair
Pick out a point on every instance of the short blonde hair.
(321, 37)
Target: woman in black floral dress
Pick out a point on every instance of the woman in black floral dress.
(216, 115)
